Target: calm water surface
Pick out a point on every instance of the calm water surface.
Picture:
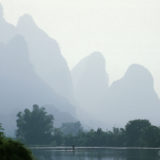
(97, 154)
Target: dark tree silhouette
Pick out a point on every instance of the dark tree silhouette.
(35, 127)
(13, 150)
(135, 132)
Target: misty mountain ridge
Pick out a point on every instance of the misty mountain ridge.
(22, 73)
(90, 84)
(33, 70)
(20, 86)
(7, 31)
(46, 56)
(133, 96)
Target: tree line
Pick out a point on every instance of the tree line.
(36, 127)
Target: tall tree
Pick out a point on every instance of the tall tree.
(135, 131)
(35, 127)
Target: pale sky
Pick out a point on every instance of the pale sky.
(125, 31)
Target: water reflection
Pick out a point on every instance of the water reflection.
(97, 154)
(142, 155)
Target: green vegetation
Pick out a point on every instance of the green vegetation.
(12, 150)
(71, 128)
(137, 133)
(36, 128)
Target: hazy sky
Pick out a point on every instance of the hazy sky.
(125, 31)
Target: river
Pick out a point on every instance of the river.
(96, 154)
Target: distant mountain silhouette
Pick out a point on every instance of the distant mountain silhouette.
(7, 31)
(20, 86)
(133, 96)
(46, 56)
(32, 70)
(90, 84)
